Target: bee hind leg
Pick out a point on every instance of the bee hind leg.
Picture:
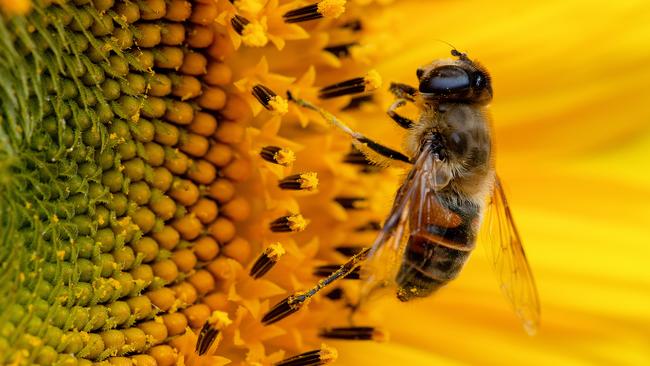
(295, 301)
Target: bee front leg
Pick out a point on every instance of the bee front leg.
(401, 120)
(403, 91)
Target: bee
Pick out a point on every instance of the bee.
(450, 197)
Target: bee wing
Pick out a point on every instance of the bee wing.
(410, 208)
(508, 259)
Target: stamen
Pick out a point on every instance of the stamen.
(322, 9)
(217, 321)
(356, 157)
(342, 50)
(291, 223)
(300, 182)
(278, 155)
(282, 310)
(321, 356)
(352, 203)
(349, 250)
(336, 294)
(355, 333)
(327, 269)
(267, 260)
(269, 100)
(370, 226)
(239, 23)
(371, 81)
(353, 25)
(356, 102)
(207, 335)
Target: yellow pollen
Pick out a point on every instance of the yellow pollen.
(297, 223)
(328, 354)
(219, 319)
(373, 80)
(55, 219)
(254, 35)
(60, 254)
(275, 251)
(250, 6)
(380, 335)
(308, 181)
(284, 157)
(331, 8)
(279, 105)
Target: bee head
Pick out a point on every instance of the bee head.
(455, 80)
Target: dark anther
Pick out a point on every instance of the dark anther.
(327, 269)
(277, 155)
(352, 203)
(238, 23)
(357, 102)
(207, 335)
(281, 310)
(299, 182)
(309, 12)
(341, 50)
(290, 223)
(263, 95)
(370, 226)
(349, 250)
(353, 333)
(352, 86)
(267, 260)
(317, 357)
(336, 294)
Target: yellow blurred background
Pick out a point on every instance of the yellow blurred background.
(572, 116)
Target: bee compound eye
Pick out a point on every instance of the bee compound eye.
(445, 80)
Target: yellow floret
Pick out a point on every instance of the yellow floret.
(254, 35)
(308, 181)
(373, 80)
(285, 157)
(279, 105)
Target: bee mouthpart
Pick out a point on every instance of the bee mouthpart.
(327, 269)
(323, 9)
(290, 223)
(278, 155)
(370, 82)
(283, 309)
(270, 100)
(321, 356)
(355, 334)
(300, 182)
(269, 257)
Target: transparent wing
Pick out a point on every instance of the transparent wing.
(410, 210)
(501, 239)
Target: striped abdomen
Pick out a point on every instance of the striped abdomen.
(441, 240)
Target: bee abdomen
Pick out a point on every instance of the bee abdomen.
(427, 266)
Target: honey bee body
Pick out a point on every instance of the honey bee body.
(451, 138)
(450, 197)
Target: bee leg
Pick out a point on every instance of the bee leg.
(402, 121)
(359, 138)
(403, 91)
(294, 302)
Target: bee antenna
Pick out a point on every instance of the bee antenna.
(454, 50)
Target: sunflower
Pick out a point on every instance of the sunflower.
(159, 194)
